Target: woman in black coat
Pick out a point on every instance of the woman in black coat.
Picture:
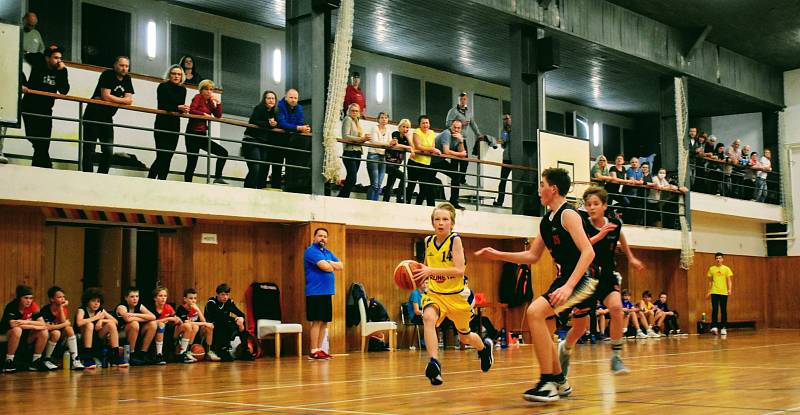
(264, 116)
(171, 97)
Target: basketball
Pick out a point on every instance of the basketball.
(198, 352)
(404, 276)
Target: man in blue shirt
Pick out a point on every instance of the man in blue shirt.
(415, 303)
(319, 264)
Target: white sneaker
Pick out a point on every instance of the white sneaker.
(542, 392)
(213, 356)
(714, 331)
(723, 332)
(640, 335)
(651, 333)
(49, 364)
(76, 364)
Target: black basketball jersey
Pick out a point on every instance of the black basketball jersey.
(604, 249)
(559, 242)
(121, 321)
(87, 314)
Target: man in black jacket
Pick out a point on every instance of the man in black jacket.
(229, 325)
(48, 74)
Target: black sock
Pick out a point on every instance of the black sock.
(559, 378)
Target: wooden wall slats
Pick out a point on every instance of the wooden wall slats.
(22, 249)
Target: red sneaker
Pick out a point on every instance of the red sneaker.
(314, 356)
(325, 355)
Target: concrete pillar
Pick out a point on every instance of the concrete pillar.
(527, 110)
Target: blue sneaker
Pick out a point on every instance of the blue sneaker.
(434, 372)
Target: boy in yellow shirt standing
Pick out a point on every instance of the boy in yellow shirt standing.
(719, 288)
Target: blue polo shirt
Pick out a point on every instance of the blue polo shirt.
(318, 282)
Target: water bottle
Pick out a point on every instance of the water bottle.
(127, 353)
(65, 360)
(520, 340)
(503, 339)
(104, 358)
(703, 317)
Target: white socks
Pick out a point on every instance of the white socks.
(159, 347)
(72, 345)
(48, 350)
(184, 344)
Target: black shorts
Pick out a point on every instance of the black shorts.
(560, 281)
(607, 285)
(319, 308)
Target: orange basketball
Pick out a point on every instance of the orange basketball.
(198, 352)
(404, 274)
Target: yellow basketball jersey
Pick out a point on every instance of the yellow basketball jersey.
(441, 256)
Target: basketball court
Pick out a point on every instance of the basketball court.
(747, 373)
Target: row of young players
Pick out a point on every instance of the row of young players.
(43, 329)
(643, 319)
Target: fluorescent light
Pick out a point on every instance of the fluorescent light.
(277, 66)
(379, 87)
(151, 40)
(596, 134)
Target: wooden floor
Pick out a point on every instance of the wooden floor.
(747, 373)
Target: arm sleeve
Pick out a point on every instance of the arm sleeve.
(211, 312)
(335, 259)
(63, 82)
(283, 121)
(451, 115)
(259, 116)
(474, 126)
(218, 110)
(129, 86)
(235, 309)
(312, 256)
(196, 108)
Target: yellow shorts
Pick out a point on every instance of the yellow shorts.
(453, 306)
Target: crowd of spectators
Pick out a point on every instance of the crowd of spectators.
(643, 319)
(732, 171)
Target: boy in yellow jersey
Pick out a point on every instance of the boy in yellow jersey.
(444, 270)
(719, 288)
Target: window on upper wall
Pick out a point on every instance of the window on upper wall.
(611, 142)
(241, 76)
(105, 34)
(55, 23)
(438, 101)
(197, 43)
(405, 98)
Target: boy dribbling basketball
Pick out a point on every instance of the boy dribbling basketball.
(444, 270)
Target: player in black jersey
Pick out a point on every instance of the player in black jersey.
(604, 233)
(561, 231)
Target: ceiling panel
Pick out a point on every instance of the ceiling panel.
(470, 39)
(765, 30)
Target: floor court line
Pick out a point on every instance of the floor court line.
(300, 385)
(483, 386)
(783, 411)
(267, 407)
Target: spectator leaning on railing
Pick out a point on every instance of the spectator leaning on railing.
(264, 116)
(451, 143)
(424, 143)
(376, 168)
(114, 86)
(204, 103)
(394, 161)
(764, 167)
(355, 135)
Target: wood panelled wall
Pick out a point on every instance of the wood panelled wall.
(22, 252)
(30, 253)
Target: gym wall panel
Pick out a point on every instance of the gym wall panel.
(781, 292)
(22, 252)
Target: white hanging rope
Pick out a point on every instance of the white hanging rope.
(337, 82)
(681, 116)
